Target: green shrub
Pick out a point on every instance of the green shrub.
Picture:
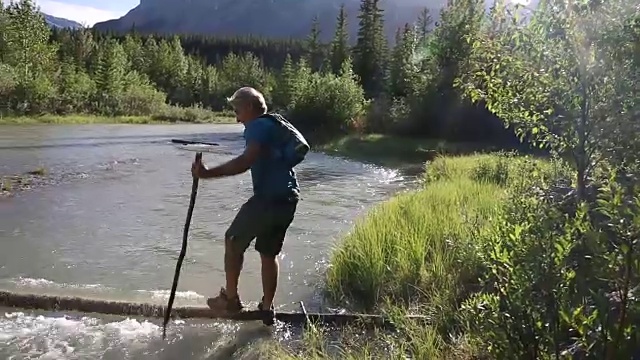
(561, 278)
(326, 103)
(192, 114)
(139, 100)
(237, 71)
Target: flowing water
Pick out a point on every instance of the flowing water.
(107, 220)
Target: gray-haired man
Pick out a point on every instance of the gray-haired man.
(266, 216)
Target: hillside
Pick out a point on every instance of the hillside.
(57, 22)
(271, 18)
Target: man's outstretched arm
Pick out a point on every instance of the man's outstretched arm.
(237, 165)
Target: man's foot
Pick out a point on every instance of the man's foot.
(223, 303)
(268, 316)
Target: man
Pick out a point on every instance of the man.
(266, 216)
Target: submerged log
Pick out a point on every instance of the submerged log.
(85, 305)
(193, 142)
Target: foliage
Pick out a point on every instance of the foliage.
(87, 71)
(403, 70)
(314, 54)
(242, 70)
(438, 58)
(82, 72)
(564, 80)
(370, 51)
(561, 279)
(325, 103)
(561, 266)
(339, 48)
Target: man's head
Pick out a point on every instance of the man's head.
(248, 104)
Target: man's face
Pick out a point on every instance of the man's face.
(243, 113)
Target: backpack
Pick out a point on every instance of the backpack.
(294, 147)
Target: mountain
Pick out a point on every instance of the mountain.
(269, 18)
(60, 22)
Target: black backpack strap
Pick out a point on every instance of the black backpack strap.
(274, 116)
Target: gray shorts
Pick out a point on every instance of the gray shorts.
(263, 220)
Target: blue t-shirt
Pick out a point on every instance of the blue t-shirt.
(272, 178)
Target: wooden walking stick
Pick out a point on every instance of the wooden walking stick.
(183, 251)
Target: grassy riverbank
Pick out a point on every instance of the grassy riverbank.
(420, 252)
(389, 150)
(178, 116)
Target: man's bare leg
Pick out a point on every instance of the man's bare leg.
(269, 279)
(233, 261)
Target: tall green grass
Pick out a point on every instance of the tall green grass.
(418, 252)
(419, 246)
(412, 245)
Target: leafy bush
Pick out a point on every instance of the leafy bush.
(75, 89)
(562, 277)
(241, 70)
(193, 114)
(140, 99)
(326, 103)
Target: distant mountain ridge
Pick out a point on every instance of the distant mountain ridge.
(268, 18)
(58, 22)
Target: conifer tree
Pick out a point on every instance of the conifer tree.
(425, 21)
(136, 53)
(370, 52)
(3, 31)
(340, 44)
(112, 70)
(402, 70)
(286, 84)
(314, 47)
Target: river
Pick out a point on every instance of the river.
(107, 222)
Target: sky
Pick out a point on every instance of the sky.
(87, 12)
